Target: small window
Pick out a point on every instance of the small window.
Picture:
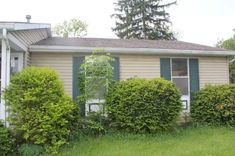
(179, 67)
(14, 65)
(180, 74)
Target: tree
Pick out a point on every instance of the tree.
(72, 28)
(230, 45)
(143, 19)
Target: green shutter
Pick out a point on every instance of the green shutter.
(194, 75)
(77, 61)
(165, 68)
(116, 69)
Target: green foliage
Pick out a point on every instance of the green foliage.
(214, 105)
(95, 76)
(143, 19)
(7, 141)
(230, 45)
(232, 72)
(98, 73)
(92, 125)
(30, 150)
(140, 105)
(91, 128)
(72, 28)
(40, 112)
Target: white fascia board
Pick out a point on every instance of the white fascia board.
(23, 26)
(147, 51)
(16, 42)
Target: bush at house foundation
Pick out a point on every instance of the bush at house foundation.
(143, 106)
(40, 112)
(214, 105)
(7, 141)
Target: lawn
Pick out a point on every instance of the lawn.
(191, 142)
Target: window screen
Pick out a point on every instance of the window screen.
(180, 74)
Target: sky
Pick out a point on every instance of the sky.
(197, 21)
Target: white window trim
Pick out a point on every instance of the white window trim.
(188, 76)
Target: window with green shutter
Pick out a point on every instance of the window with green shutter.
(165, 68)
(194, 74)
(77, 61)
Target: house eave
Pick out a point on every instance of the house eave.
(146, 51)
(11, 26)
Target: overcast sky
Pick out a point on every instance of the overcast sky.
(197, 21)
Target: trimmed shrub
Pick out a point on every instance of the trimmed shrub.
(214, 105)
(140, 105)
(7, 141)
(40, 112)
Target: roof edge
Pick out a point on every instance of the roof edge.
(147, 51)
(23, 26)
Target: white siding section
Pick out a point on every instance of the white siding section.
(141, 66)
(28, 37)
(62, 63)
(213, 70)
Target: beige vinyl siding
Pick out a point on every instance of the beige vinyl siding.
(141, 66)
(130, 66)
(62, 63)
(27, 57)
(213, 70)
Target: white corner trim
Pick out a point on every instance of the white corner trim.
(148, 51)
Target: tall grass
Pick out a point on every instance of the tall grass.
(206, 141)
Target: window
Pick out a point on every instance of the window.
(95, 81)
(179, 67)
(95, 84)
(180, 74)
(14, 65)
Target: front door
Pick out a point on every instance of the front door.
(180, 77)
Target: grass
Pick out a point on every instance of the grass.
(206, 141)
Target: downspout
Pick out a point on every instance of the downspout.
(5, 72)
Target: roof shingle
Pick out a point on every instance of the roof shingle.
(124, 43)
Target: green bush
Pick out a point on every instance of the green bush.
(140, 105)
(40, 112)
(30, 150)
(93, 125)
(214, 105)
(7, 141)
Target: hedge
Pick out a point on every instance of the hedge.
(143, 106)
(7, 141)
(40, 112)
(214, 105)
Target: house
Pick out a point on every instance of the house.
(190, 66)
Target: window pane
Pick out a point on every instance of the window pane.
(182, 84)
(179, 67)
